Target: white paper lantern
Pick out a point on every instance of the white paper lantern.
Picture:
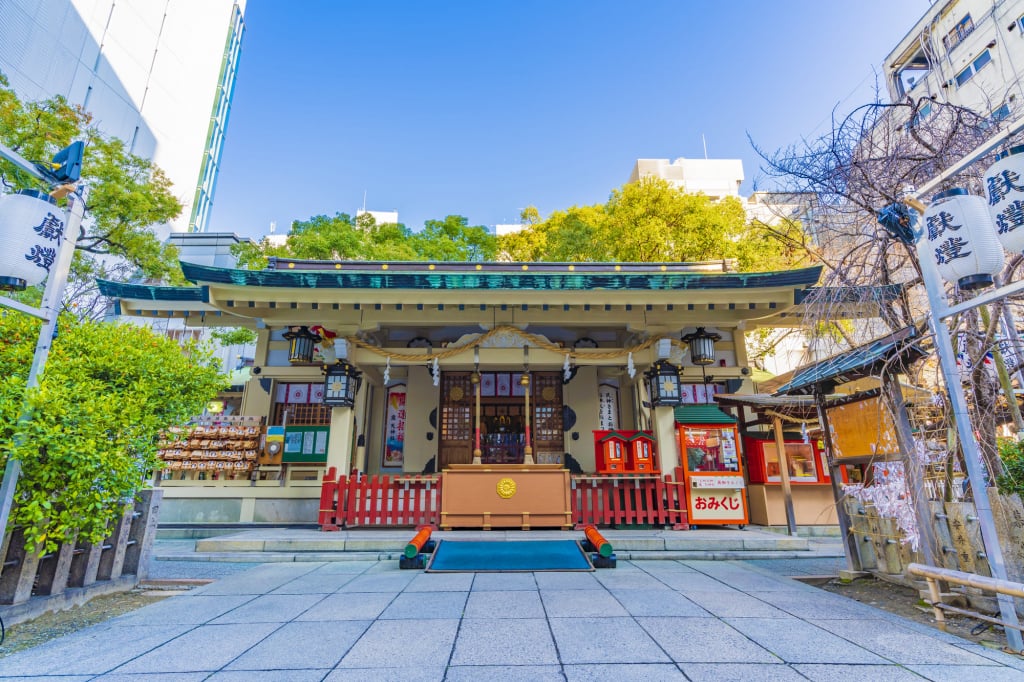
(1004, 189)
(961, 240)
(31, 231)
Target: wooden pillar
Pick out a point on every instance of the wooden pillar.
(339, 447)
(850, 548)
(477, 452)
(525, 381)
(664, 428)
(360, 412)
(787, 490)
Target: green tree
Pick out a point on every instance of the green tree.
(651, 221)
(90, 439)
(235, 336)
(343, 238)
(454, 239)
(128, 194)
(338, 237)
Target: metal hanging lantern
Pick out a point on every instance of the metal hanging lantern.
(960, 237)
(301, 349)
(341, 384)
(31, 230)
(1004, 189)
(663, 384)
(702, 346)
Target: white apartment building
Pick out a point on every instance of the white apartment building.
(965, 52)
(717, 178)
(721, 178)
(159, 75)
(379, 217)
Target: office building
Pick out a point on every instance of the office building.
(158, 75)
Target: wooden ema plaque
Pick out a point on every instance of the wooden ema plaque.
(505, 496)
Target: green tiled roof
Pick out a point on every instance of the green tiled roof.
(352, 277)
(855, 363)
(702, 414)
(152, 293)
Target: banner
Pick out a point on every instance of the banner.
(608, 405)
(394, 436)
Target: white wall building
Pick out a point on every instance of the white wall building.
(721, 178)
(965, 52)
(158, 75)
(717, 178)
(380, 217)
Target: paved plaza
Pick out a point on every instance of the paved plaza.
(645, 620)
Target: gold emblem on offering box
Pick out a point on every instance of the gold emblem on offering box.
(506, 488)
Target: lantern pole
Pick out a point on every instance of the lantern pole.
(938, 311)
(53, 294)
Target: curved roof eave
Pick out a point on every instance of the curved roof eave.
(401, 276)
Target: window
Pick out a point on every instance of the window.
(922, 113)
(910, 73)
(963, 28)
(995, 116)
(800, 460)
(1020, 24)
(980, 61)
(183, 336)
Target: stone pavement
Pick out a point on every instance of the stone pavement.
(645, 620)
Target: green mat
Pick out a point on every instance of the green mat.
(463, 556)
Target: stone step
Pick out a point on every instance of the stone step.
(268, 544)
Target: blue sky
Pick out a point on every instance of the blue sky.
(482, 108)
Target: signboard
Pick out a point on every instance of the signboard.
(728, 482)
(862, 429)
(305, 444)
(717, 505)
(608, 407)
(394, 426)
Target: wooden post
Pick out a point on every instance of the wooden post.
(477, 452)
(852, 551)
(787, 490)
(528, 449)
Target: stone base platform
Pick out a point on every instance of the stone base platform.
(289, 544)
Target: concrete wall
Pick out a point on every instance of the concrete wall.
(581, 396)
(421, 438)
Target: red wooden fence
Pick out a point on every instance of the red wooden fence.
(360, 501)
(354, 501)
(628, 500)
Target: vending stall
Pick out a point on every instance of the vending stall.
(709, 448)
(805, 462)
